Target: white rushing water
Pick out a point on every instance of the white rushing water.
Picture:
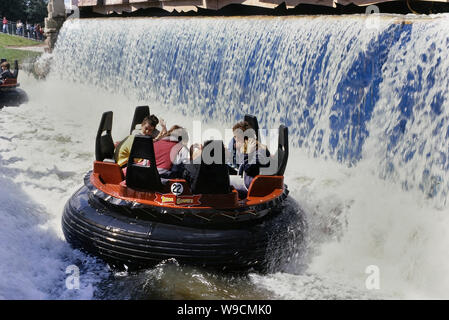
(366, 115)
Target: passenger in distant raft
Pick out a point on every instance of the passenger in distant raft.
(248, 154)
(148, 128)
(6, 73)
(171, 152)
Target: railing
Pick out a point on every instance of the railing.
(28, 31)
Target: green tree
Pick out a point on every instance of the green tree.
(13, 9)
(33, 11)
(36, 10)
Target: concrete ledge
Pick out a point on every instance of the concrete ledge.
(106, 7)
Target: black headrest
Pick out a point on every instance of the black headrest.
(252, 121)
(281, 155)
(211, 176)
(16, 69)
(213, 152)
(104, 145)
(282, 150)
(139, 114)
(143, 147)
(143, 176)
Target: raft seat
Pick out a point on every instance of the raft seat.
(211, 178)
(104, 144)
(281, 156)
(109, 173)
(139, 176)
(263, 186)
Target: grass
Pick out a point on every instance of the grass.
(15, 41)
(15, 54)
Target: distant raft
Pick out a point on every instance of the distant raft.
(10, 93)
(140, 220)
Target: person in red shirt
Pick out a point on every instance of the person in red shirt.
(5, 25)
(171, 152)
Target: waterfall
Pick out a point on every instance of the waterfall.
(334, 82)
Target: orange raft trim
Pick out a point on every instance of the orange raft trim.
(108, 178)
(9, 84)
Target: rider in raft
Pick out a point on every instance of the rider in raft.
(148, 128)
(169, 147)
(6, 72)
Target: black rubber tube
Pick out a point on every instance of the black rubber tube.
(13, 97)
(104, 231)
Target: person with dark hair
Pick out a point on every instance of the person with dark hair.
(246, 154)
(5, 73)
(148, 128)
(40, 32)
(242, 131)
(171, 153)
